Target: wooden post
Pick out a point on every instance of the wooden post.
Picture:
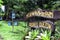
(12, 26)
(13, 17)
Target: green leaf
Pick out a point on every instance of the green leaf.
(1, 2)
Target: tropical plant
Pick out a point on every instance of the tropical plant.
(46, 35)
(57, 30)
(34, 34)
(1, 2)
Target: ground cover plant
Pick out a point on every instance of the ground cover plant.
(46, 35)
(34, 34)
(7, 34)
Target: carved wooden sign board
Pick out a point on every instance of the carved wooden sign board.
(42, 24)
(45, 14)
(41, 14)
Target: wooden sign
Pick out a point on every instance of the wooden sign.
(13, 15)
(33, 24)
(46, 14)
(9, 23)
(42, 19)
(0, 18)
(45, 25)
(15, 23)
(42, 24)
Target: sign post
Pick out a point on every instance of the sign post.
(0, 18)
(13, 17)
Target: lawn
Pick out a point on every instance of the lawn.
(18, 33)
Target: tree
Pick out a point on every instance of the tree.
(17, 6)
(56, 5)
(1, 2)
(21, 7)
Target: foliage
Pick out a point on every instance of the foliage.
(56, 5)
(57, 30)
(22, 7)
(34, 34)
(2, 14)
(17, 6)
(1, 2)
(7, 34)
(46, 35)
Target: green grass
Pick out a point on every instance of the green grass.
(18, 33)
